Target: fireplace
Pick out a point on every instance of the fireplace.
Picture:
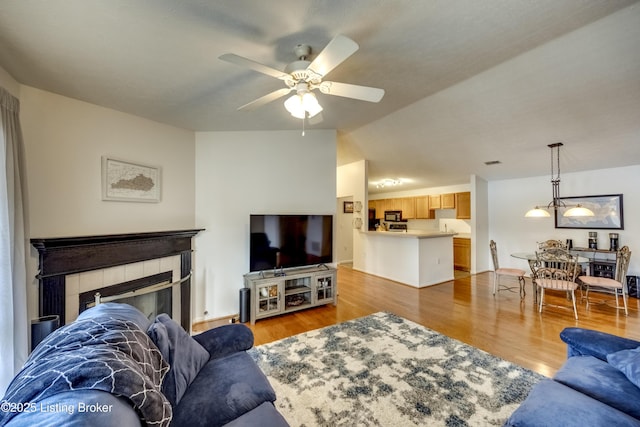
(150, 270)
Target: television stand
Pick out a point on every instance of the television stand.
(299, 288)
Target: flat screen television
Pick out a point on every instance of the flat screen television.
(285, 241)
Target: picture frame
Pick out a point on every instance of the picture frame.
(127, 181)
(347, 207)
(607, 209)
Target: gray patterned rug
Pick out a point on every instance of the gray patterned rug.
(383, 370)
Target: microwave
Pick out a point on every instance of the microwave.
(393, 216)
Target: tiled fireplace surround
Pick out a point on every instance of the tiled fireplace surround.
(71, 266)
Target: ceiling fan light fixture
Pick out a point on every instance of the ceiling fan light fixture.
(303, 105)
(294, 106)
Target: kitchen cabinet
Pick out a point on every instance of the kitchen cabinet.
(463, 205)
(462, 254)
(405, 204)
(408, 205)
(422, 208)
(434, 202)
(448, 201)
(378, 205)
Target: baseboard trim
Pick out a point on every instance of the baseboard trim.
(206, 324)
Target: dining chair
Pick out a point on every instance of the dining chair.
(617, 285)
(498, 272)
(556, 271)
(552, 245)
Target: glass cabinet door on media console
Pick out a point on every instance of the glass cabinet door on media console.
(324, 288)
(267, 298)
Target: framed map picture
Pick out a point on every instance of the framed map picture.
(607, 212)
(130, 182)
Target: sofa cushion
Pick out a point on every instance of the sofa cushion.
(184, 355)
(117, 311)
(553, 404)
(226, 339)
(264, 415)
(601, 381)
(628, 362)
(225, 389)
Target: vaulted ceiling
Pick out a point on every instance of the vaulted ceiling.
(466, 81)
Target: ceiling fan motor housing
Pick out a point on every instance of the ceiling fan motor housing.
(298, 69)
(302, 51)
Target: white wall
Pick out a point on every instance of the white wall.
(344, 232)
(240, 173)
(9, 83)
(64, 141)
(509, 200)
(480, 225)
(352, 182)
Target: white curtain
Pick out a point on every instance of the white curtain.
(13, 284)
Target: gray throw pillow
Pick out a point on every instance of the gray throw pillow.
(183, 354)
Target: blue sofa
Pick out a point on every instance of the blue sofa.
(598, 385)
(114, 367)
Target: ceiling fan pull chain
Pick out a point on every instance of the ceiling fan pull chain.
(304, 120)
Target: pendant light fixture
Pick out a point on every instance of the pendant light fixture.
(556, 203)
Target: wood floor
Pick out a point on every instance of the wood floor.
(465, 309)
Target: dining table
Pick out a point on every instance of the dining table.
(532, 258)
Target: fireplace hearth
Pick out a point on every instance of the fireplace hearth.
(73, 269)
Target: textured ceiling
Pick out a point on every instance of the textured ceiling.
(158, 59)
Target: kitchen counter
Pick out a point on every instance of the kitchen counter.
(412, 234)
(416, 258)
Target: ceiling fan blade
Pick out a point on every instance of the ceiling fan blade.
(265, 99)
(363, 93)
(338, 49)
(256, 66)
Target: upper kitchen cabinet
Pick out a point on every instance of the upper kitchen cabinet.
(378, 205)
(448, 201)
(463, 205)
(408, 207)
(434, 202)
(422, 208)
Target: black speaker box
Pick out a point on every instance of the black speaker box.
(245, 304)
(632, 286)
(41, 327)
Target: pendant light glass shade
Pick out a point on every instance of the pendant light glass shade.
(578, 211)
(537, 212)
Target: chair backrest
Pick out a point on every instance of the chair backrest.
(622, 264)
(494, 255)
(556, 267)
(551, 244)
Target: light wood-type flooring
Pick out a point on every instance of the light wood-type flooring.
(465, 309)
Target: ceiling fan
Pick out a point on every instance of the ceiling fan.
(303, 77)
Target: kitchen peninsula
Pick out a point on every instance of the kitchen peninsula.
(417, 259)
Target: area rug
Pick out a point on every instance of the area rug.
(383, 370)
